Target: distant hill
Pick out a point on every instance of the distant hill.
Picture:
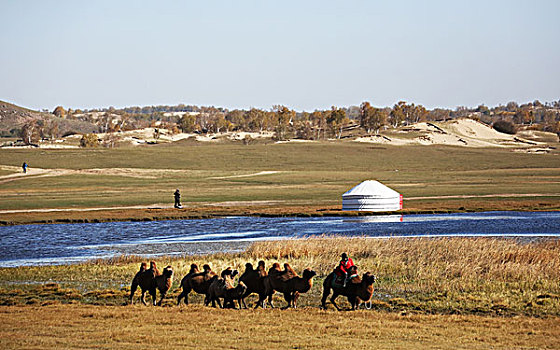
(13, 118)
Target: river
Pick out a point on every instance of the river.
(70, 243)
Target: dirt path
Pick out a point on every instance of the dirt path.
(245, 175)
(127, 172)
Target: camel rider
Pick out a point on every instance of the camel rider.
(344, 267)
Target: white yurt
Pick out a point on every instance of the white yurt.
(372, 196)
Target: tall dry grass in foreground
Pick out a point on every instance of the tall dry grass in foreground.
(435, 264)
(425, 275)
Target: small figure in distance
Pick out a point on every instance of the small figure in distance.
(177, 196)
(24, 167)
(343, 268)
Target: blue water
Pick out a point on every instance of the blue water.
(67, 243)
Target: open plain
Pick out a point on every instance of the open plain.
(73, 185)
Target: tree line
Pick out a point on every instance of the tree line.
(286, 123)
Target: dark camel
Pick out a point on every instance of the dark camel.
(197, 281)
(254, 280)
(358, 289)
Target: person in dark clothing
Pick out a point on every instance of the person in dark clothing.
(24, 167)
(177, 195)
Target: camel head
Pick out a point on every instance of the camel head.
(206, 268)
(308, 274)
(368, 278)
(168, 271)
(227, 272)
(194, 268)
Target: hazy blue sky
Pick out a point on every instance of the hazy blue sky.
(304, 54)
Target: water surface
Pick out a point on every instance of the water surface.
(68, 243)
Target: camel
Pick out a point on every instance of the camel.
(288, 283)
(149, 280)
(223, 287)
(254, 280)
(357, 289)
(197, 281)
(163, 282)
(136, 280)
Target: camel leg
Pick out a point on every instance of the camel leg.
(333, 298)
(261, 301)
(133, 288)
(326, 292)
(353, 301)
(181, 296)
(288, 298)
(143, 298)
(161, 300)
(270, 301)
(219, 303)
(295, 299)
(153, 294)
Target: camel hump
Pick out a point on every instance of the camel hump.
(288, 272)
(274, 269)
(355, 279)
(143, 267)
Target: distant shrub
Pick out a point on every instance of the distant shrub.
(89, 140)
(505, 127)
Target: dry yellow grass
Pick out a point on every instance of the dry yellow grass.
(196, 327)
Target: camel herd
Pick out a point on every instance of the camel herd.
(257, 280)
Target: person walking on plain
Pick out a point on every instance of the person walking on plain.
(177, 196)
(24, 167)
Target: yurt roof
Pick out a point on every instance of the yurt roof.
(371, 188)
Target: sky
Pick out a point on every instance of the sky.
(306, 55)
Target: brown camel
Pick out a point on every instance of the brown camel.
(223, 287)
(163, 282)
(146, 280)
(197, 281)
(288, 283)
(254, 280)
(358, 289)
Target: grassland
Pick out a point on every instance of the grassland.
(88, 327)
(301, 178)
(430, 293)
